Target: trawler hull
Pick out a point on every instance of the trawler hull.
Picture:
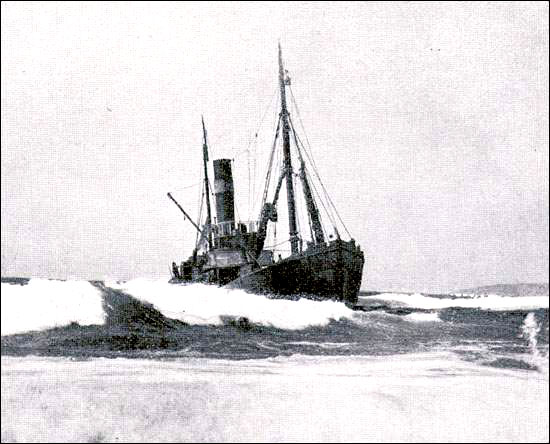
(333, 271)
(330, 271)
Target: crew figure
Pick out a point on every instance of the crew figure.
(175, 270)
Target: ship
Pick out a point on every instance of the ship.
(234, 254)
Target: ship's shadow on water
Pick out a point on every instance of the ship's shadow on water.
(136, 329)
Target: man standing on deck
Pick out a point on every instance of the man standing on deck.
(175, 270)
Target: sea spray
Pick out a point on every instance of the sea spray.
(44, 303)
(200, 304)
(489, 302)
(142, 321)
(531, 329)
(423, 317)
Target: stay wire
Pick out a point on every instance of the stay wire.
(313, 162)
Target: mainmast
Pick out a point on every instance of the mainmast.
(287, 161)
(319, 236)
(206, 186)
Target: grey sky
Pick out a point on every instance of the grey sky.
(429, 125)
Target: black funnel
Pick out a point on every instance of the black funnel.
(223, 188)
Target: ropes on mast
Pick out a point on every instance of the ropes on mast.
(200, 205)
(314, 217)
(312, 161)
(254, 138)
(328, 211)
(270, 163)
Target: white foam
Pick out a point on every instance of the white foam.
(326, 345)
(46, 303)
(530, 330)
(207, 304)
(428, 397)
(489, 302)
(423, 317)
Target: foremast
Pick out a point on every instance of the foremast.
(206, 186)
(293, 232)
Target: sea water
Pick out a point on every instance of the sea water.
(148, 361)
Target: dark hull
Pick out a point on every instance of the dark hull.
(329, 271)
(332, 272)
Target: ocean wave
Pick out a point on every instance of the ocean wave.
(488, 302)
(423, 317)
(326, 345)
(43, 303)
(202, 304)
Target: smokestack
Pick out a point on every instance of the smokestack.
(223, 188)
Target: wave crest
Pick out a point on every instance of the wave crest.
(488, 302)
(43, 303)
(202, 304)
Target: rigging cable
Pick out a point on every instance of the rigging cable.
(277, 171)
(200, 205)
(236, 210)
(298, 143)
(298, 212)
(237, 153)
(309, 153)
(190, 186)
(254, 139)
(270, 163)
(276, 245)
(329, 212)
(253, 191)
(313, 162)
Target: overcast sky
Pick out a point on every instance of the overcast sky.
(428, 122)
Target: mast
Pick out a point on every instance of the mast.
(287, 161)
(319, 236)
(206, 187)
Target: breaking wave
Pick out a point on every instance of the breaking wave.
(423, 317)
(484, 302)
(152, 318)
(201, 304)
(43, 303)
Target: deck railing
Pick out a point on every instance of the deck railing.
(232, 228)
